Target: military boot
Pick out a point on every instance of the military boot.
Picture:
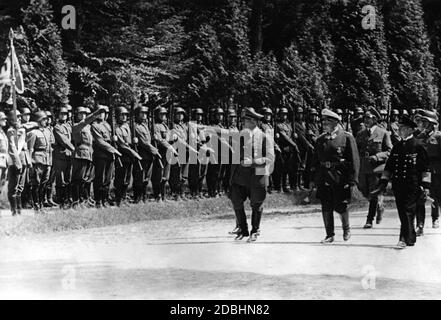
(13, 204)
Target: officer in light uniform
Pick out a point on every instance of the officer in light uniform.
(335, 169)
(374, 145)
(250, 178)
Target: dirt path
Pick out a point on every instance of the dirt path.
(196, 259)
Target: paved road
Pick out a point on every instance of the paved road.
(196, 259)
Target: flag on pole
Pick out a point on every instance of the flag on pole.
(5, 73)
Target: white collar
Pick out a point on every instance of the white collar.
(408, 138)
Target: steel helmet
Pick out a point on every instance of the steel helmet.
(25, 111)
(160, 110)
(80, 110)
(2, 115)
(219, 111)
(141, 109)
(232, 113)
(40, 115)
(179, 110)
(121, 110)
(267, 110)
(198, 111)
(283, 111)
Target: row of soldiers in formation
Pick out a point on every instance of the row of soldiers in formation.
(81, 152)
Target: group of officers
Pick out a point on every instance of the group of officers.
(83, 152)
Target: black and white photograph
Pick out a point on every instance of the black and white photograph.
(238, 152)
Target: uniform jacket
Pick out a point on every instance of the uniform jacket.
(162, 137)
(40, 146)
(335, 161)
(408, 165)
(432, 143)
(145, 147)
(284, 137)
(261, 149)
(4, 149)
(82, 139)
(377, 144)
(102, 140)
(63, 146)
(124, 140)
(18, 148)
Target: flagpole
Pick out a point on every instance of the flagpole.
(14, 95)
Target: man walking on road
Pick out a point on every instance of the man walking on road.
(335, 169)
(250, 178)
(374, 144)
(408, 169)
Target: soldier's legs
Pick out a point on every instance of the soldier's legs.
(138, 182)
(98, 181)
(193, 178)
(79, 171)
(406, 211)
(328, 218)
(420, 213)
(61, 174)
(435, 192)
(257, 197)
(15, 181)
(175, 180)
(239, 195)
(277, 173)
(212, 176)
(26, 193)
(122, 180)
(49, 188)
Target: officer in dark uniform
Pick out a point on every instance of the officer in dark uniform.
(142, 174)
(123, 173)
(161, 170)
(40, 150)
(62, 155)
(249, 179)
(104, 154)
(408, 168)
(82, 165)
(285, 160)
(431, 139)
(335, 169)
(216, 170)
(374, 145)
(395, 136)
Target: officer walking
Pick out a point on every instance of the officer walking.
(374, 145)
(82, 157)
(335, 169)
(431, 139)
(40, 150)
(104, 154)
(408, 168)
(249, 179)
(123, 173)
(62, 155)
(142, 174)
